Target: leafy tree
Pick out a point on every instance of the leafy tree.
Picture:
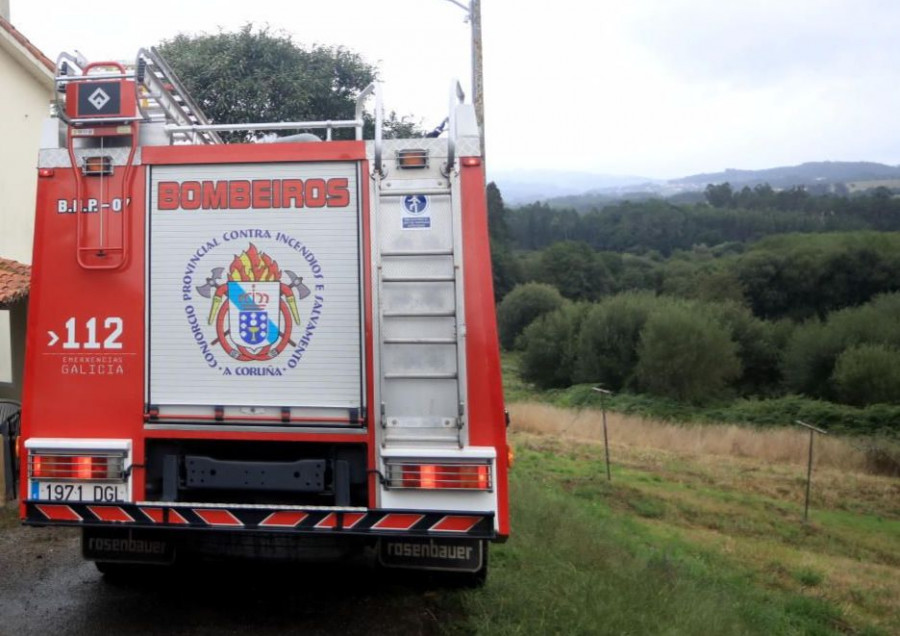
(521, 306)
(684, 354)
(868, 374)
(609, 338)
(576, 270)
(720, 196)
(800, 276)
(257, 75)
(507, 271)
(814, 347)
(550, 346)
(496, 210)
(759, 346)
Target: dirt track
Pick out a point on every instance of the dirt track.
(46, 588)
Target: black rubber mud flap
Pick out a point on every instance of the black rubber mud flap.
(126, 546)
(440, 555)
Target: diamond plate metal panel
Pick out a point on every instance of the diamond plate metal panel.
(59, 157)
(436, 147)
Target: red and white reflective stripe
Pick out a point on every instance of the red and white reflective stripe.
(219, 518)
(283, 519)
(59, 513)
(350, 519)
(329, 522)
(175, 517)
(398, 522)
(155, 514)
(111, 513)
(455, 523)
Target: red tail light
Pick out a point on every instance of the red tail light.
(82, 467)
(432, 476)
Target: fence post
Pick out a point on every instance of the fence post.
(604, 392)
(812, 432)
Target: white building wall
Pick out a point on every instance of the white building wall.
(24, 106)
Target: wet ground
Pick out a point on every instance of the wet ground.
(46, 588)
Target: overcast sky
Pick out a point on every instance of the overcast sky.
(656, 88)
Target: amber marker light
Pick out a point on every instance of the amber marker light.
(412, 158)
(96, 166)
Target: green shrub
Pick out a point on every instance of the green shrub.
(685, 354)
(814, 347)
(521, 306)
(882, 419)
(576, 270)
(609, 338)
(759, 346)
(550, 347)
(868, 374)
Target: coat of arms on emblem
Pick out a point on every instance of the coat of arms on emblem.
(253, 310)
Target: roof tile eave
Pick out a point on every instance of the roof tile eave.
(15, 281)
(34, 51)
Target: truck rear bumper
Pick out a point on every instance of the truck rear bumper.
(262, 519)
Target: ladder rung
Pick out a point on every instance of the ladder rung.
(420, 376)
(420, 253)
(418, 279)
(436, 314)
(437, 341)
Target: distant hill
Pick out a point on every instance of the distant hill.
(584, 191)
(804, 174)
(528, 186)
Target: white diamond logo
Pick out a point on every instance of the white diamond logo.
(99, 98)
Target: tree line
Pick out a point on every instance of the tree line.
(664, 227)
(784, 313)
(699, 351)
(796, 276)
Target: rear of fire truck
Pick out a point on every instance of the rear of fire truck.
(262, 349)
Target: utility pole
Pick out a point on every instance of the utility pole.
(473, 17)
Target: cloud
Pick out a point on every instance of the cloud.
(748, 44)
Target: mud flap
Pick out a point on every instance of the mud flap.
(443, 555)
(126, 546)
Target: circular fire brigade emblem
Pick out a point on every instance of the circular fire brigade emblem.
(255, 309)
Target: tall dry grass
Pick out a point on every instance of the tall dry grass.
(781, 445)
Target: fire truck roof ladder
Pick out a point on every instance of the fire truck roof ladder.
(165, 99)
(104, 104)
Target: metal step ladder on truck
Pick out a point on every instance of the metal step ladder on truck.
(259, 349)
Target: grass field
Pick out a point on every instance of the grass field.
(700, 531)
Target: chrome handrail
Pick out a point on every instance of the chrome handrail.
(273, 125)
(360, 102)
(457, 97)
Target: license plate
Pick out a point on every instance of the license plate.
(65, 491)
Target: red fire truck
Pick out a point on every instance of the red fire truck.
(278, 348)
